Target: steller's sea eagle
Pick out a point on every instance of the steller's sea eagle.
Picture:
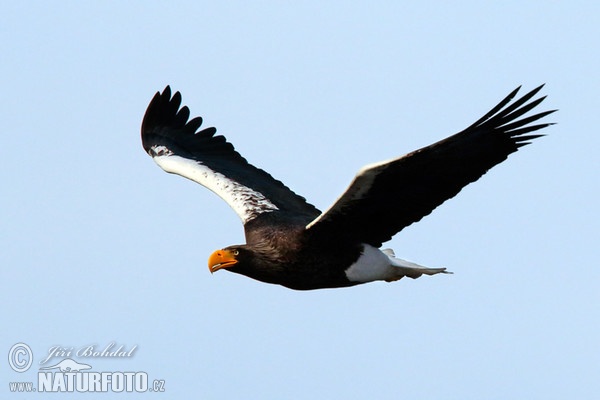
(289, 241)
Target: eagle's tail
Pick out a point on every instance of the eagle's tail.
(407, 268)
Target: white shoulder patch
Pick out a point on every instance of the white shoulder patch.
(362, 183)
(246, 202)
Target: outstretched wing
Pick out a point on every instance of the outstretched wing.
(386, 197)
(179, 147)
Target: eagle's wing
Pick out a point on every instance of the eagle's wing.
(179, 147)
(386, 197)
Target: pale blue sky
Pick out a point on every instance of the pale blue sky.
(99, 245)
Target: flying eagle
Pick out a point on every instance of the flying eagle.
(289, 241)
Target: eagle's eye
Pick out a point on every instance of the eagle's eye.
(236, 252)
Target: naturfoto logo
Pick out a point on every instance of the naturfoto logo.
(60, 372)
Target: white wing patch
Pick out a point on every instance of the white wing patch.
(247, 203)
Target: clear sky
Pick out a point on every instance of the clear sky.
(100, 246)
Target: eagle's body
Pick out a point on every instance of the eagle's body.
(289, 241)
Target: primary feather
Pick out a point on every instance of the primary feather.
(386, 197)
(179, 147)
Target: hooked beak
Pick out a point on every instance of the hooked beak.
(221, 259)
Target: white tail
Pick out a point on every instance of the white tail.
(410, 269)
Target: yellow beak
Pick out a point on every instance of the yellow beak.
(221, 259)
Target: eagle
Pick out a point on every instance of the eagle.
(289, 241)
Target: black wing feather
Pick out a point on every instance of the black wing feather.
(385, 198)
(167, 131)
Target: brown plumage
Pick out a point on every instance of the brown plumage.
(289, 241)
